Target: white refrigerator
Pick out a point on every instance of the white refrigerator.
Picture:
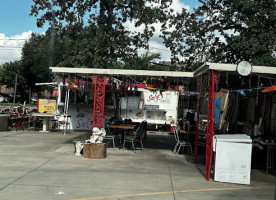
(232, 158)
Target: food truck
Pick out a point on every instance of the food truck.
(154, 106)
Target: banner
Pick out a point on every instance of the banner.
(46, 105)
(217, 102)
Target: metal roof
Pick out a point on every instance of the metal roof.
(121, 72)
(204, 68)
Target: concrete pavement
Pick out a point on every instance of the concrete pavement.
(36, 165)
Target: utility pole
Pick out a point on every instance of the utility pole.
(30, 94)
(15, 85)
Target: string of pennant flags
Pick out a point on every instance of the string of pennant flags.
(155, 84)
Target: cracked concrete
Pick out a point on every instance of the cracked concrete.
(42, 166)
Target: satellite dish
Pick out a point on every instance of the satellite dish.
(244, 68)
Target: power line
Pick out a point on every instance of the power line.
(12, 39)
(8, 51)
(4, 59)
(11, 47)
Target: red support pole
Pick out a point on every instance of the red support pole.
(103, 101)
(23, 127)
(99, 98)
(197, 117)
(210, 123)
(94, 81)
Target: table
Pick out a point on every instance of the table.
(201, 133)
(123, 126)
(187, 132)
(200, 142)
(46, 118)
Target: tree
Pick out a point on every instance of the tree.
(145, 61)
(9, 71)
(105, 21)
(36, 59)
(225, 31)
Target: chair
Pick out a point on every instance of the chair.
(137, 136)
(270, 157)
(110, 136)
(54, 123)
(64, 122)
(34, 122)
(181, 143)
(17, 118)
(145, 124)
(170, 135)
(127, 121)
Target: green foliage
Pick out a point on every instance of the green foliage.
(36, 58)
(103, 25)
(96, 33)
(142, 62)
(225, 31)
(8, 73)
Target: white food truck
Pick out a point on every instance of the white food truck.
(153, 106)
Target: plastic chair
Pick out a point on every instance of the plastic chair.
(64, 122)
(137, 137)
(181, 143)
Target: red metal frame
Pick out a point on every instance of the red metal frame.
(210, 123)
(197, 117)
(99, 97)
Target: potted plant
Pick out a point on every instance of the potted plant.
(79, 143)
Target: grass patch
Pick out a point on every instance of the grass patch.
(84, 136)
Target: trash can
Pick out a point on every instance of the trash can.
(232, 158)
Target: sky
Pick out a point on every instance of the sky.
(16, 26)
